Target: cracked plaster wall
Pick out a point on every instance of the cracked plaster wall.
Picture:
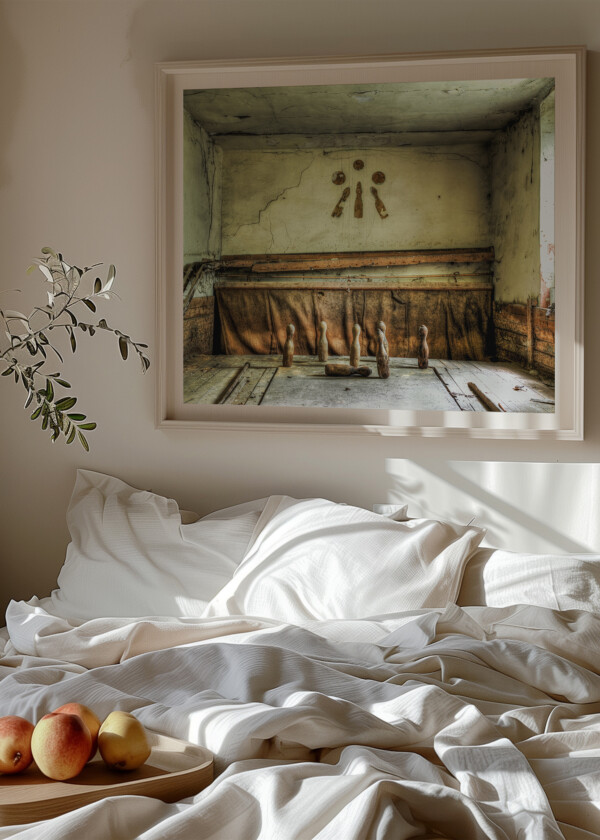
(280, 201)
(201, 194)
(547, 200)
(516, 210)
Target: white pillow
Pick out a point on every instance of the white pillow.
(560, 582)
(132, 555)
(315, 559)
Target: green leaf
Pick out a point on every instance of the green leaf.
(123, 347)
(87, 426)
(36, 413)
(76, 417)
(72, 317)
(90, 304)
(83, 441)
(47, 250)
(72, 434)
(45, 422)
(49, 390)
(7, 372)
(66, 403)
(73, 342)
(62, 382)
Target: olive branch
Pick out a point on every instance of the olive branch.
(31, 339)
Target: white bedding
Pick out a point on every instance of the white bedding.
(307, 644)
(459, 722)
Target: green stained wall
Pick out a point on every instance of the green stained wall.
(281, 200)
(515, 168)
(201, 193)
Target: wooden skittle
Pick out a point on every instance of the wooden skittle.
(323, 344)
(383, 359)
(355, 346)
(347, 370)
(288, 347)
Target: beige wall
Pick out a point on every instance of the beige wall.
(281, 201)
(77, 172)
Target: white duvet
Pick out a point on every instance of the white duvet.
(457, 723)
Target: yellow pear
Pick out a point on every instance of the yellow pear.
(122, 741)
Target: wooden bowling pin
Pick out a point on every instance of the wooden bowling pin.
(381, 326)
(347, 370)
(355, 346)
(383, 357)
(288, 347)
(423, 349)
(323, 345)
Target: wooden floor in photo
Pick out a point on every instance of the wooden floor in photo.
(445, 385)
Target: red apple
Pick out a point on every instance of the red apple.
(88, 717)
(15, 744)
(61, 745)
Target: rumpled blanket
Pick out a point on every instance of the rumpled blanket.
(459, 722)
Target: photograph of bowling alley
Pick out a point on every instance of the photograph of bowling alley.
(381, 246)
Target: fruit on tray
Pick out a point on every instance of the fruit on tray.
(15, 744)
(61, 745)
(122, 741)
(88, 717)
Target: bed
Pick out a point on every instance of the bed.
(357, 674)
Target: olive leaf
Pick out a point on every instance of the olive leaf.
(25, 340)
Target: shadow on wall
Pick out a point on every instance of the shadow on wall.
(11, 87)
(523, 506)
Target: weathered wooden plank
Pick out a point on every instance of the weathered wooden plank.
(261, 386)
(518, 311)
(208, 388)
(305, 383)
(351, 259)
(233, 384)
(343, 284)
(485, 377)
(512, 387)
(544, 326)
(530, 333)
(246, 385)
(508, 324)
(516, 341)
(198, 325)
(463, 401)
(213, 393)
(406, 388)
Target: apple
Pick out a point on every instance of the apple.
(122, 741)
(61, 745)
(88, 717)
(15, 744)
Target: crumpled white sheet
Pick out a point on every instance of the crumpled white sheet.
(463, 723)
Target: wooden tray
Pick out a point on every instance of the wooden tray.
(174, 770)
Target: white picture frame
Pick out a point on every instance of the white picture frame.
(565, 64)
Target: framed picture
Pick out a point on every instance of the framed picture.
(388, 245)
